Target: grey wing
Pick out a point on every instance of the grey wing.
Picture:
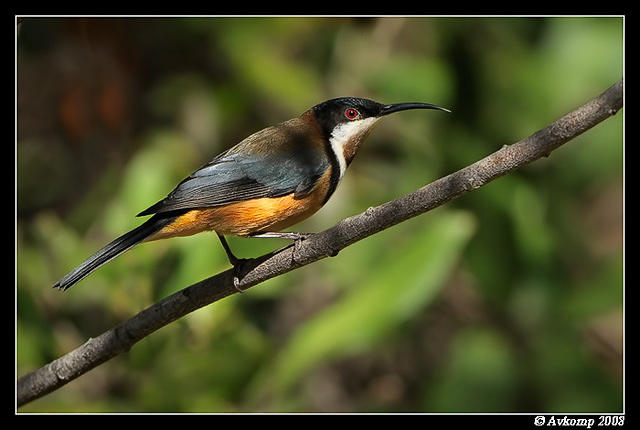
(238, 176)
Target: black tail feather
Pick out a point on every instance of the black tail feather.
(112, 250)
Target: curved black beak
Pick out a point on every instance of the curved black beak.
(386, 110)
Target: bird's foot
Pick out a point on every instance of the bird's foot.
(238, 274)
(296, 237)
(297, 244)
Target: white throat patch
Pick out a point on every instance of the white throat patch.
(341, 135)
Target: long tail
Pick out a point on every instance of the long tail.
(113, 249)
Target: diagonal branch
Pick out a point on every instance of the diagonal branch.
(321, 245)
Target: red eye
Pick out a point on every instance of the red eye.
(351, 113)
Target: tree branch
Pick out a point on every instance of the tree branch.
(321, 245)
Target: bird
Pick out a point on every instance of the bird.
(268, 182)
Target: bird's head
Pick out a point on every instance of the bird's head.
(346, 121)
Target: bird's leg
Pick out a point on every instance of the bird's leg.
(296, 237)
(235, 262)
(282, 235)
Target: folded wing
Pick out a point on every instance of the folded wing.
(257, 167)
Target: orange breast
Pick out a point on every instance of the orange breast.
(249, 216)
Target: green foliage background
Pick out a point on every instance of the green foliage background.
(506, 300)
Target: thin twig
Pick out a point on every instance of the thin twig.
(321, 245)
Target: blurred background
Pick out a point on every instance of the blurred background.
(509, 299)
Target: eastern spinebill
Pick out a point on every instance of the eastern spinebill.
(268, 182)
